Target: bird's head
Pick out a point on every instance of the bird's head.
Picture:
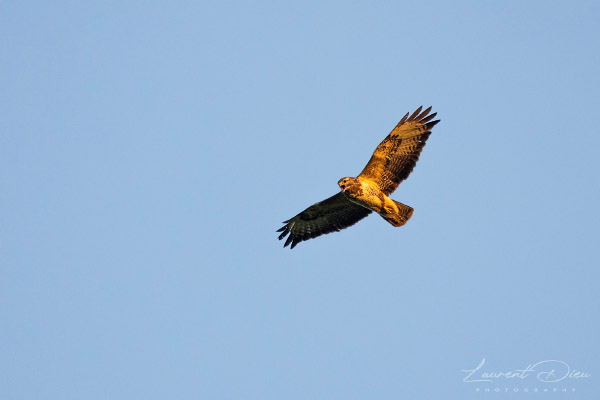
(345, 183)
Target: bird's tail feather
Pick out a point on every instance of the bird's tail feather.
(403, 215)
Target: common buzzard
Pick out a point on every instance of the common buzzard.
(391, 163)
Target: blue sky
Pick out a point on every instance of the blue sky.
(149, 151)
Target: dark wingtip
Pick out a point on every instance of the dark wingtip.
(403, 120)
(413, 115)
(432, 124)
(288, 240)
(424, 114)
(428, 118)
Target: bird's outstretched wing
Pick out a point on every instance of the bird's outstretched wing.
(329, 215)
(395, 157)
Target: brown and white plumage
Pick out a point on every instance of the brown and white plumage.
(392, 162)
(396, 156)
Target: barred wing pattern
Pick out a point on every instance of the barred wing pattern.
(330, 215)
(397, 155)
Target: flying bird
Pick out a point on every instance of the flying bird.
(390, 164)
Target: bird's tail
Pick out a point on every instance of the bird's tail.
(400, 218)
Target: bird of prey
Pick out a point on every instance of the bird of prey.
(391, 163)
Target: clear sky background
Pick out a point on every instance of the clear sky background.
(149, 151)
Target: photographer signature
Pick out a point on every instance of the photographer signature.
(545, 371)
